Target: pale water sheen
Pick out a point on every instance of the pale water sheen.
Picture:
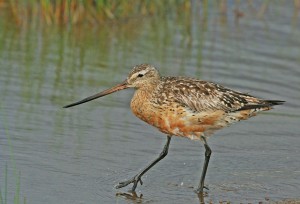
(78, 155)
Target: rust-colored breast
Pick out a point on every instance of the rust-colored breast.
(173, 119)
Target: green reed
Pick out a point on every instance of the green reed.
(94, 12)
(16, 174)
(66, 12)
(4, 195)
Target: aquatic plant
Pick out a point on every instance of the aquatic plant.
(17, 193)
(15, 173)
(66, 12)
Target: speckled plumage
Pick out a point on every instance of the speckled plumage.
(189, 107)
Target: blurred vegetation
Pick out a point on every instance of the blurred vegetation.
(70, 12)
(95, 12)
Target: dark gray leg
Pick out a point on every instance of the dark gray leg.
(137, 178)
(206, 161)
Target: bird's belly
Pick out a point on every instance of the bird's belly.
(193, 125)
(178, 121)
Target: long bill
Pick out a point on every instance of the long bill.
(118, 87)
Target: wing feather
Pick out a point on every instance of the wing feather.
(200, 95)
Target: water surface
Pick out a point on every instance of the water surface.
(78, 155)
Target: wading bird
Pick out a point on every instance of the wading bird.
(184, 107)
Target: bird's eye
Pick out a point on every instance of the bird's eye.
(140, 75)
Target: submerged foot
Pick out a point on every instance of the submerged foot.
(135, 180)
(200, 189)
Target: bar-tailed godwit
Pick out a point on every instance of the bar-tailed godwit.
(184, 107)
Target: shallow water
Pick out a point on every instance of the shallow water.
(78, 155)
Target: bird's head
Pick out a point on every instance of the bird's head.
(140, 75)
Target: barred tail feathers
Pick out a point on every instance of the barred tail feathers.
(265, 104)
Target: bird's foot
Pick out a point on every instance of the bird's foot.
(135, 180)
(200, 190)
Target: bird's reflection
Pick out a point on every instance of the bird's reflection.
(201, 197)
(131, 196)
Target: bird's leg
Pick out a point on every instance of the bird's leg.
(206, 161)
(137, 178)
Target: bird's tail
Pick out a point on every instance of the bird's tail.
(263, 105)
(274, 102)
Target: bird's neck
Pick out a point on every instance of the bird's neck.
(148, 86)
(144, 92)
(141, 99)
